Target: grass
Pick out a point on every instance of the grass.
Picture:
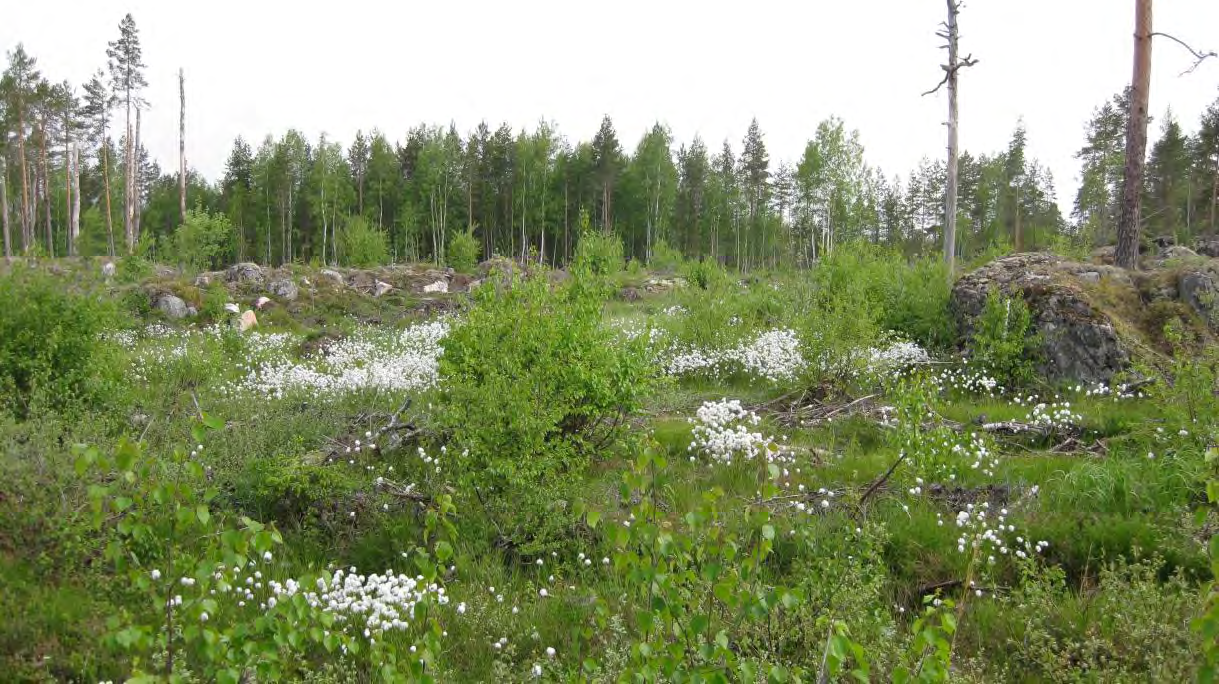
(1115, 520)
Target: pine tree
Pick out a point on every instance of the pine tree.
(607, 165)
(357, 160)
(126, 82)
(1168, 178)
(21, 80)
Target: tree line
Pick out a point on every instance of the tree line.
(76, 179)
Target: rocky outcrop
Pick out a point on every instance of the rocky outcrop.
(1199, 288)
(1079, 342)
(1207, 247)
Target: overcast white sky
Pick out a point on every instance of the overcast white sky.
(254, 68)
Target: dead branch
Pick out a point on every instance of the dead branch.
(881, 480)
(1199, 57)
(401, 491)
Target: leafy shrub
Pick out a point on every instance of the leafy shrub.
(532, 388)
(50, 352)
(597, 253)
(463, 251)
(133, 269)
(665, 258)
(203, 241)
(364, 245)
(1003, 343)
(704, 274)
(293, 492)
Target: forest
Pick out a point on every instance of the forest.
(498, 406)
(69, 164)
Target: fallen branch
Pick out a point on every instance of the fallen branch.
(881, 480)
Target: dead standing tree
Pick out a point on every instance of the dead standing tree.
(950, 33)
(1127, 253)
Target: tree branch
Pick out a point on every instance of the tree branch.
(1198, 56)
(968, 61)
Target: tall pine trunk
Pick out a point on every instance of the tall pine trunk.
(136, 190)
(1127, 253)
(182, 145)
(106, 183)
(69, 191)
(46, 186)
(128, 181)
(8, 238)
(75, 234)
(25, 179)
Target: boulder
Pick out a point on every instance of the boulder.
(629, 294)
(262, 301)
(362, 280)
(382, 288)
(437, 286)
(1105, 255)
(460, 282)
(333, 276)
(171, 305)
(245, 272)
(1079, 342)
(1207, 247)
(1177, 252)
(1198, 288)
(284, 288)
(663, 284)
(248, 320)
(192, 311)
(108, 269)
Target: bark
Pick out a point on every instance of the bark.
(8, 238)
(136, 190)
(46, 186)
(106, 183)
(950, 189)
(25, 178)
(128, 216)
(1127, 252)
(75, 229)
(182, 145)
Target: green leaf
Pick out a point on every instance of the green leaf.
(203, 514)
(593, 518)
(213, 422)
(768, 531)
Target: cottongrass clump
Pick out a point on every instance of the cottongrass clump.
(404, 363)
(374, 603)
(1055, 416)
(724, 431)
(987, 535)
(773, 355)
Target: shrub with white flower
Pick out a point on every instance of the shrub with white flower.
(773, 355)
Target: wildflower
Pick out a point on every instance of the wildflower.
(155, 574)
(543, 593)
(461, 608)
(266, 556)
(203, 616)
(537, 670)
(550, 651)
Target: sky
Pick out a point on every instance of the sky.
(706, 68)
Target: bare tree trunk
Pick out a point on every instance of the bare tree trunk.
(128, 176)
(106, 183)
(8, 238)
(1214, 194)
(67, 182)
(75, 230)
(136, 190)
(46, 186)
(1127, 253)
(25, 179)
(182, 144)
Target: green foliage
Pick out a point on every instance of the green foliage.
(463, 250)
(665, 259)
(598, 253)
(532, 388)
(363, 244)
(204, 241)
(51, 353)
(705, 274)
(930, 655)
(1004, 343)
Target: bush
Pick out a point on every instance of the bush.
(1003, 343)
(50, 353)
(364, 245)
(204, 241)
(463, 251)
(705, 275)
(597, 253)
(533, 387)
(665, 259)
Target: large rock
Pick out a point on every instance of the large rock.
(245, 272)
(1207, 247)
(170, 305)
(333, 276)
(1199, 288)
(284, 288)
(1079, 342)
